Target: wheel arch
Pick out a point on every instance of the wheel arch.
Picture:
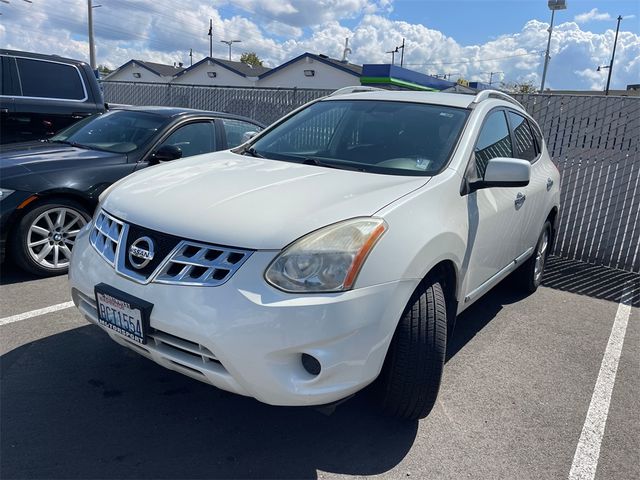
(553, 219)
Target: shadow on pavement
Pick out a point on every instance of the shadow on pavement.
(593, 281)
(10, 274)
(77, 405)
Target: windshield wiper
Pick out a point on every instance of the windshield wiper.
(251, 151)
(323, 163)
(75, 144)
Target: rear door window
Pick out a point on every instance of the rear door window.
(44, 79)
(9, 77)
(235, 131)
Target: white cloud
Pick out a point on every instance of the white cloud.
(153, 30)
(591, 15)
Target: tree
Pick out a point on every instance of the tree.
(104, 70)
(250, 58)
(519, 87)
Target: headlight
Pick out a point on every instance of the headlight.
(4, 193)
(327, 260)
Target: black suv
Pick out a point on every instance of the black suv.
(42, 94)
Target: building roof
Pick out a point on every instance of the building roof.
(238, 68)
(347, 67)
(159, 69)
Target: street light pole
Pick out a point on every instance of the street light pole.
(230, 42)
(553, 6)
(613, 55)
(92, 45)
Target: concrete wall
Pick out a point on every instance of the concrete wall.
(224, 77)
(126, 75)
(326, 77)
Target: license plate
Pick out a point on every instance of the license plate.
(123, 313)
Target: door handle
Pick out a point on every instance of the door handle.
(520, 198)
(549, 184)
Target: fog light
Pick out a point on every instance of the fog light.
(311, 364)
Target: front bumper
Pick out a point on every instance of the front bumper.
(247, 337)
(8, 214)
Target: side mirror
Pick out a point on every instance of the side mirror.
(248, 136)
(166, 153)
(504, 172)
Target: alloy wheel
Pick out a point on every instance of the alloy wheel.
(541, 257)
(52, 235)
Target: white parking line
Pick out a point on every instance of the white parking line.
(585, 460)
(35, 313)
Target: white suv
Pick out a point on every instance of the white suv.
(332, 250)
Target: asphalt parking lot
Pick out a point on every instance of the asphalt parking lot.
(517, 392)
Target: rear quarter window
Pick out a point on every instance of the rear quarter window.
(44, 79)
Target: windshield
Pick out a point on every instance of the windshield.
(398, 138)
(118, 131)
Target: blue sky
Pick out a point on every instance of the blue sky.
(466, 38)
(473, 21)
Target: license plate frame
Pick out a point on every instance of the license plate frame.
(123, 313)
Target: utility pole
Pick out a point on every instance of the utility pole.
(230, 42)
(553, 6)
(393, 55)
(92, 45)
(210, 38)
(491, 74)
(613, 56)
(402, 55)
(190, 56)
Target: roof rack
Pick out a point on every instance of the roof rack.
(353, 89)
(485, 94)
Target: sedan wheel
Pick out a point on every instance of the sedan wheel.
(52, 235)
(45, 236)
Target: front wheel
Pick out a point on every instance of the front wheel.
(44, 237)
(410, 379)
(530, 273)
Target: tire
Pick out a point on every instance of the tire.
(529, 275)
(410, 379)
(45, 229)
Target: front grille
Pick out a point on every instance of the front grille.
(106, 235)
(199, 264)
(175, 260)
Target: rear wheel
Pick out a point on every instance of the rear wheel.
(410, 379)
(44, 237)
(530, 274)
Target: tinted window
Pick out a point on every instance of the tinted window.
(49, 80)
(235, 131)
(119, 131)
(377, 136)
(494, 141)
(525, 147)
(193, 139)
(9, 77)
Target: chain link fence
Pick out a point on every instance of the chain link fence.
(594, 141)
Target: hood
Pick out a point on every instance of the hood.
(247, 202)
(40, 157)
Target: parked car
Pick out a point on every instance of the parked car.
(332, 251)
(42, 94)
(49, 189)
